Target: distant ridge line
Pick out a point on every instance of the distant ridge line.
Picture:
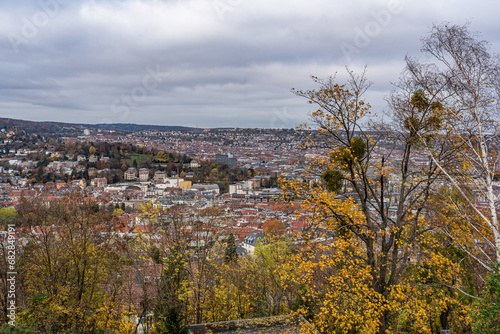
(57, 127)
(51, 125)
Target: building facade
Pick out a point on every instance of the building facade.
(143, 174)
(226, 159)
(130, 174)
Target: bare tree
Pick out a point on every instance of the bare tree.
(464, 76)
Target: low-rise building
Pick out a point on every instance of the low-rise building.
(79, 183)
(207, 187)
(99, 182)
(251, 241)
(143, 174)
(93, 158)
(160, 176)
(92, 172)
(185, 185)
(130, 174)
(60, 184)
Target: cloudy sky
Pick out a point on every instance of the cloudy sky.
(206, 63)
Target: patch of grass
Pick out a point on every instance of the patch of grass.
(129, 158)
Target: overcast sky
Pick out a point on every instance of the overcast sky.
(206, 63)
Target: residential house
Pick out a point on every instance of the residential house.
(143, 174)
(92, 172)
(130, 174)
(99, 182)
(60, 184)
(79, 183)
(160, 176)
(93, 158)
(251, 241)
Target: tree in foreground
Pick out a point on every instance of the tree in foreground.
(70, 269)
(465, 78)
(464, 75)
(487, 312)
(371, 207)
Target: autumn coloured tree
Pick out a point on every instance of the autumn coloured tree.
(7, 216)
(274, 227)
(370, 207)
(74, 285)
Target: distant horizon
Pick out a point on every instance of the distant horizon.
(138, 124)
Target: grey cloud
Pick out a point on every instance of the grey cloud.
(233, 67)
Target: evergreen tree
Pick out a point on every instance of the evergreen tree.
(230, 254)
(171, 323)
